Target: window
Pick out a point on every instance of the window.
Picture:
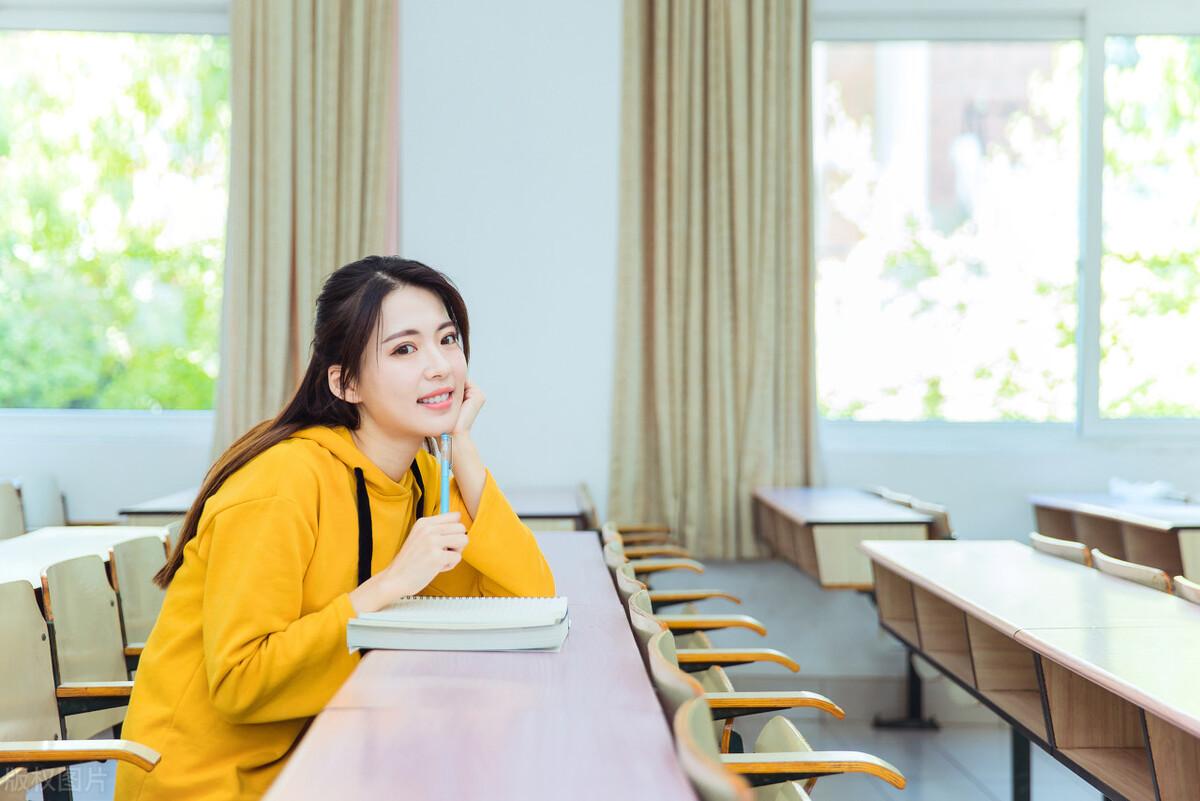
(1150, 269)
(946, 229)
(113, 161)
(1007, 226)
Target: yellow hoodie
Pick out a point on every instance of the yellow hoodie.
(251, 639)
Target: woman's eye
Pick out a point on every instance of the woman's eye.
(404, 349)
(450, 339)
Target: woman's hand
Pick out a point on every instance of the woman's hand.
(434, 545)
(473, 400)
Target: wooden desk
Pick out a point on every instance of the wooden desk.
(581, 724)
(160, 511)
(1162, 533)
(1095, 670)
(544, 508)
(28, 555)
(819, 529)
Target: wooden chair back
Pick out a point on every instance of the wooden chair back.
(591, 519)
(672, 684)
(134, 563)
(42, 501)
(627, 582)
(88, 643)
(1142, 574)
(939, 527)
(645, 625)
(700, 755)
(28, 707)
(1063, 549)
(1187, 589)
(173, 530)
(12, 518)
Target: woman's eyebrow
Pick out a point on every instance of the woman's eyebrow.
(412, 332)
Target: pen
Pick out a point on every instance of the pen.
(444, 458)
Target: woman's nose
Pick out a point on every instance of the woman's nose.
(437, 366)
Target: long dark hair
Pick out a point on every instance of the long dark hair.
(347, 313)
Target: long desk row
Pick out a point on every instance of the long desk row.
(1097, 671)
(583, 723)
(1161, 533)
(544, 508)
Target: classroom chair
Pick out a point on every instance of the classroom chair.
(34, 705)
(85, 635)
(12, 519)
(1187, 589)
(628, 584)
(939, 528)
(609, 534)
(696, 742)
(1063, 549)
(645, 625)
(591, 518)
(172, 537)
(674, 686)
(1142, 574)
(42, 502)
(614, 557)
(134, 564)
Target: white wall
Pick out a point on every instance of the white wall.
(509, 142)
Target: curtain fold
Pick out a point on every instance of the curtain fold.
(714, 380)
(312, 183)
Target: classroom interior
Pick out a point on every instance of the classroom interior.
(849, 342)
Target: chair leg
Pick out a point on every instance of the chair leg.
(58, 788)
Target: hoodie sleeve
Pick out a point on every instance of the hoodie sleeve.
(265, 658)
(502, 556)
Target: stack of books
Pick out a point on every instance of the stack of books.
(463, 624)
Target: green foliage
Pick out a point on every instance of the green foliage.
(113, 159)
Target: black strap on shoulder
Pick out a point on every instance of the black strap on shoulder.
(366, 539)
(419, 504)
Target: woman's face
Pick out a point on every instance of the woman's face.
(413, 371)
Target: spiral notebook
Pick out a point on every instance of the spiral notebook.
(463, 624)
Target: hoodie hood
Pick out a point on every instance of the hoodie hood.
(338, 442)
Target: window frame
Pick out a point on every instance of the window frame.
(196, 17)
(1090, 22)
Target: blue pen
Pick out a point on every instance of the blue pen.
(444, 453)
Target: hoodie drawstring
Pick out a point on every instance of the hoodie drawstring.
(366, 540)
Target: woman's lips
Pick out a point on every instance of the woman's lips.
(438, 403)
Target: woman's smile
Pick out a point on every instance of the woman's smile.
(438, 401)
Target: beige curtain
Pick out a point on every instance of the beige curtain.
(714, 369)
(312, 182)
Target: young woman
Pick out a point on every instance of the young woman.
(324, 512)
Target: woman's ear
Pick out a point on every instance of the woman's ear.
(350, 395)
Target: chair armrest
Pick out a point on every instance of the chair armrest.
(134, 648)
(39, 754)
(647, 539)
(685, 623)
(642, 551)
(693, 660)
(77, 697)
(669, 597)
(643, 566)
(94, 689)
(643, 528)
(737, 704)
(760, 769)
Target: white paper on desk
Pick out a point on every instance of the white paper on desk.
(1143, 490)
